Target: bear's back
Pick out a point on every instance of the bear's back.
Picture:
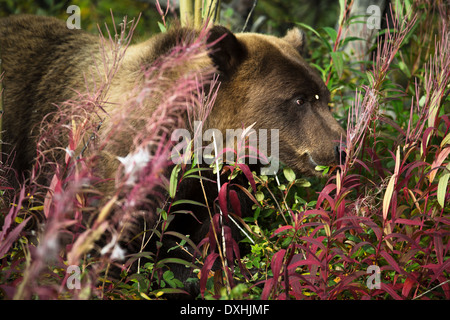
(41, 61)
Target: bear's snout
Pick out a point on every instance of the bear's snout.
(339, 153)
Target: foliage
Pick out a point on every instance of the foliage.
(196, 13)
(92, 12)
(382, 215)
(387, 205)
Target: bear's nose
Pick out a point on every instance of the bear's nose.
(339, 153)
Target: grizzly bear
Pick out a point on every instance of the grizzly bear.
(264, 82)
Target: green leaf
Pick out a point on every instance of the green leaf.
(184, 239)
(162, 27)
(442, 188)
(370, 78)
(350, 39)
(325, 41)
(289, 174)
(302, 183)
(174, 181)
(174, 260)
(194, 170)
(331, 32)
(342, 5)
(338, 61)
(309, 28)
(259, 196)
(168, 275)
(163, 214)
(185, 201)
(404, 68)
(325, 169)
(445, 141)
(388, 196)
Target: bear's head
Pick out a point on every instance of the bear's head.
(265, 80)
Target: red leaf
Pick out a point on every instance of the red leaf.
(237, 254)
(409, 222)
(245, 169)
(324, 215)
(387, 287)
(407, 286)
(209, 261)
(228, 245)
(12, 236)
(392, 262)
(55, 187)
(412, 166)
(403, 237)
(267, 288)
(445, 266)
(214, 227)
(368, 222)
(276, 264)
(303, 262)
(325, 194)
(11, 216)
(432, 266)
(235, 203)
(281, 229)
(362, 164)
(438, 246)
(314, 241)
(223, 200)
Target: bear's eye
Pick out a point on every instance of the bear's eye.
(299, 101)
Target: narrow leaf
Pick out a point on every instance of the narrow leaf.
(331, 32)
(438, 162)
(392, 262)
(442, 188)
(235, 203)
(223, 199)
(184, 238)
(186, 201)
(11, 216)
(267, 288)
(276, 264)
(281, 229)
(407, 286)
(106, 210)
(12, 236)
(338, 61)
(209, 261)
(446, 140)
(439, 248)
(388, 196)
(163, 262)
(248, 174)
(174, 181)
(388, 288)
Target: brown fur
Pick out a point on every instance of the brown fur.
(262, 78)
(45, 63)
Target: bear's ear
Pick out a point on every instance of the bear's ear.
(297, 39)
(226, 52)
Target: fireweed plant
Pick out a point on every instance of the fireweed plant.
(71, 217)
(379, 228)
(375, 227)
